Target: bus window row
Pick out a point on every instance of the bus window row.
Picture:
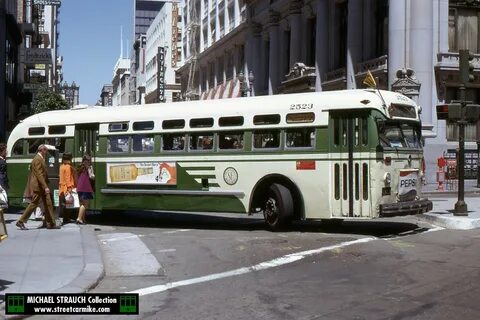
(295, 138)
(206, 141)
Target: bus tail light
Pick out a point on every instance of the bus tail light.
(388, 161)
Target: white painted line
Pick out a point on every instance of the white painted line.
(175, 231)
(120, 238)
(289, 258)
(167, 250)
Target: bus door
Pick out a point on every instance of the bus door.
(349, 161)
(86, 142)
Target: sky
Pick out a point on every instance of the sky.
(89, 42)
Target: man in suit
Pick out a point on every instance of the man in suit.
(40, 190)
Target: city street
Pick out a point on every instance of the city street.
(228, 267)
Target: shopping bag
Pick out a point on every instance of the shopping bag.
(3, 198)
(72, 200)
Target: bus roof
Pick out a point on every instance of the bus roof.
(248, 107)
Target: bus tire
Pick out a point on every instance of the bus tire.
(278, 207)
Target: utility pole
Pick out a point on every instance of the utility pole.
(466, 76)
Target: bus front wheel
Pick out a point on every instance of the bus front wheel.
(278, 208)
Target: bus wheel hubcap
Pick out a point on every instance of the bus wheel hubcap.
(271, 208)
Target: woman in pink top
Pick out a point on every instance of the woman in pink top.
(84, 186)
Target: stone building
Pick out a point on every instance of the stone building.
(317, 45)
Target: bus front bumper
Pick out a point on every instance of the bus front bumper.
(405, 208)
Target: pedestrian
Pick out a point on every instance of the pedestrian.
(40, 190)
(84, 187)
(3, 166)
(66, 184)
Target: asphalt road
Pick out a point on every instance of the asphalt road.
(229, 267)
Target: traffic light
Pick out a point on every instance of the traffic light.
(452, 111)
(466, 67)
(472, 112)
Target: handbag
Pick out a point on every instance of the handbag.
(3, 198)
(73, 200)
(68, 199)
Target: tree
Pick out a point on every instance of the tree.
(47, 99)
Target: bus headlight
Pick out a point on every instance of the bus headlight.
(387, 179)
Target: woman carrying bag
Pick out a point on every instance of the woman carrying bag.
(66, 186)
(84, 187)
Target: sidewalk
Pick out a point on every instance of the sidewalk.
(444, 204)
(42, 260)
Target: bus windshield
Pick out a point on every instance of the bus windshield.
(399, 135)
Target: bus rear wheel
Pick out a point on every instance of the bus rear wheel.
(278, 208)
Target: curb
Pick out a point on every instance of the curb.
(450, 222)
(93, 270)
(91, 274)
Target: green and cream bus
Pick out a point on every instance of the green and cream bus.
(353, 154)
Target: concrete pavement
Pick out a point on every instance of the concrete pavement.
(69, 259)
(42, 260)
(444, 201)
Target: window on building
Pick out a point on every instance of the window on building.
(463, 27)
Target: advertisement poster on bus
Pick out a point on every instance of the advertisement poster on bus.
(408, 183)
(164, 173)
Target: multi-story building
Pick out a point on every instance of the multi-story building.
(163, 54)
(302, 45)
(106, 96)
(120, 82)
(145, 12)
(10, 43)
(29, 47)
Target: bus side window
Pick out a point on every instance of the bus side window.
(17, 149)
(33, 145)
(201, 141)
(59, 144)
(300, 138)
(142, 143)
(117, 144)
(173, 141)
(230, 140)
(266, 139)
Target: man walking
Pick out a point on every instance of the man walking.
(40, 190)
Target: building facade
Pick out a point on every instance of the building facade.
(120, 82)
(319, 45)
(106, 97)
(163, 56)
(145, 12)
(29, 54)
